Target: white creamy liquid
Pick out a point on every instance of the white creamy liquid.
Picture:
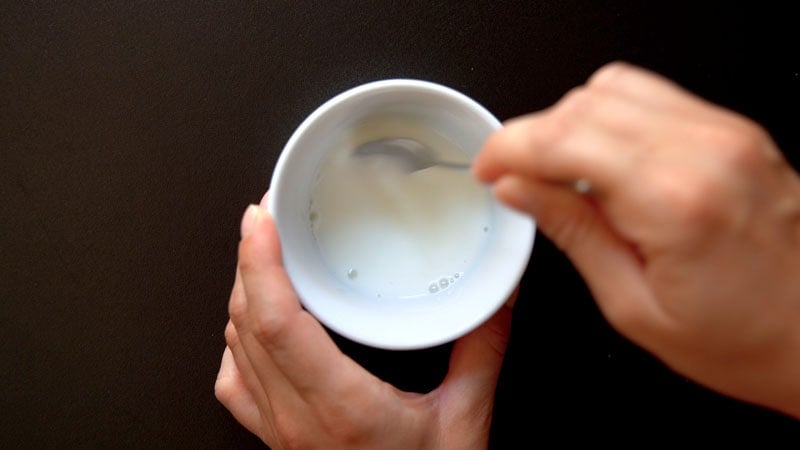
(391, 234)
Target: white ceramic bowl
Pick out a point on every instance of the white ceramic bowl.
(394, 324)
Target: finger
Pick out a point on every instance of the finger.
(589, 135)
(611, 267)
(598, 132)
(583, 137)
(296, 343)
(253, 384)
(251, 380)
(649, 88)
(467, 392)
(641, 85)
(477, 357)
(231, 391)
(261, 374)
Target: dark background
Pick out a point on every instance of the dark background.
(134, 133)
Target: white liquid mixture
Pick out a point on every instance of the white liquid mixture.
(390, 234)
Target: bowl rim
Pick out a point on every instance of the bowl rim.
(425, 339)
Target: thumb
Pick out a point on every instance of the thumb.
(475, 363)
(611, 267)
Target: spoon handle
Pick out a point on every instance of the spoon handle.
(452, 165)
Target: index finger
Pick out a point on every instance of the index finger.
(592, 134)
(534, 147)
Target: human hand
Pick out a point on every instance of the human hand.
(285, 380)
(690, 237)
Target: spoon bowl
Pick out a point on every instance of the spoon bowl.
(410, 154)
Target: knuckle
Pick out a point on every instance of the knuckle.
(624, 317)
(269, 327)
(610, 74)
(231, 336)
(578, 101)
(246, 263)
(338, 422)
(290, 433)
(223, 390)
(739, 147)
(692, 199)
(568, 114)
(557, 126)
(237, 309)
(567, 233)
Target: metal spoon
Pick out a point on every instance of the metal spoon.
(410, 154)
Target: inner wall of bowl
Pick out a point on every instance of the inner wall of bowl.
(435, 317)
(438, 112)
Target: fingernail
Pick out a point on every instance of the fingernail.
(251, 217)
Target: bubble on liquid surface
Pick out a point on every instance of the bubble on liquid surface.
(352, 274)
(444, 282)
